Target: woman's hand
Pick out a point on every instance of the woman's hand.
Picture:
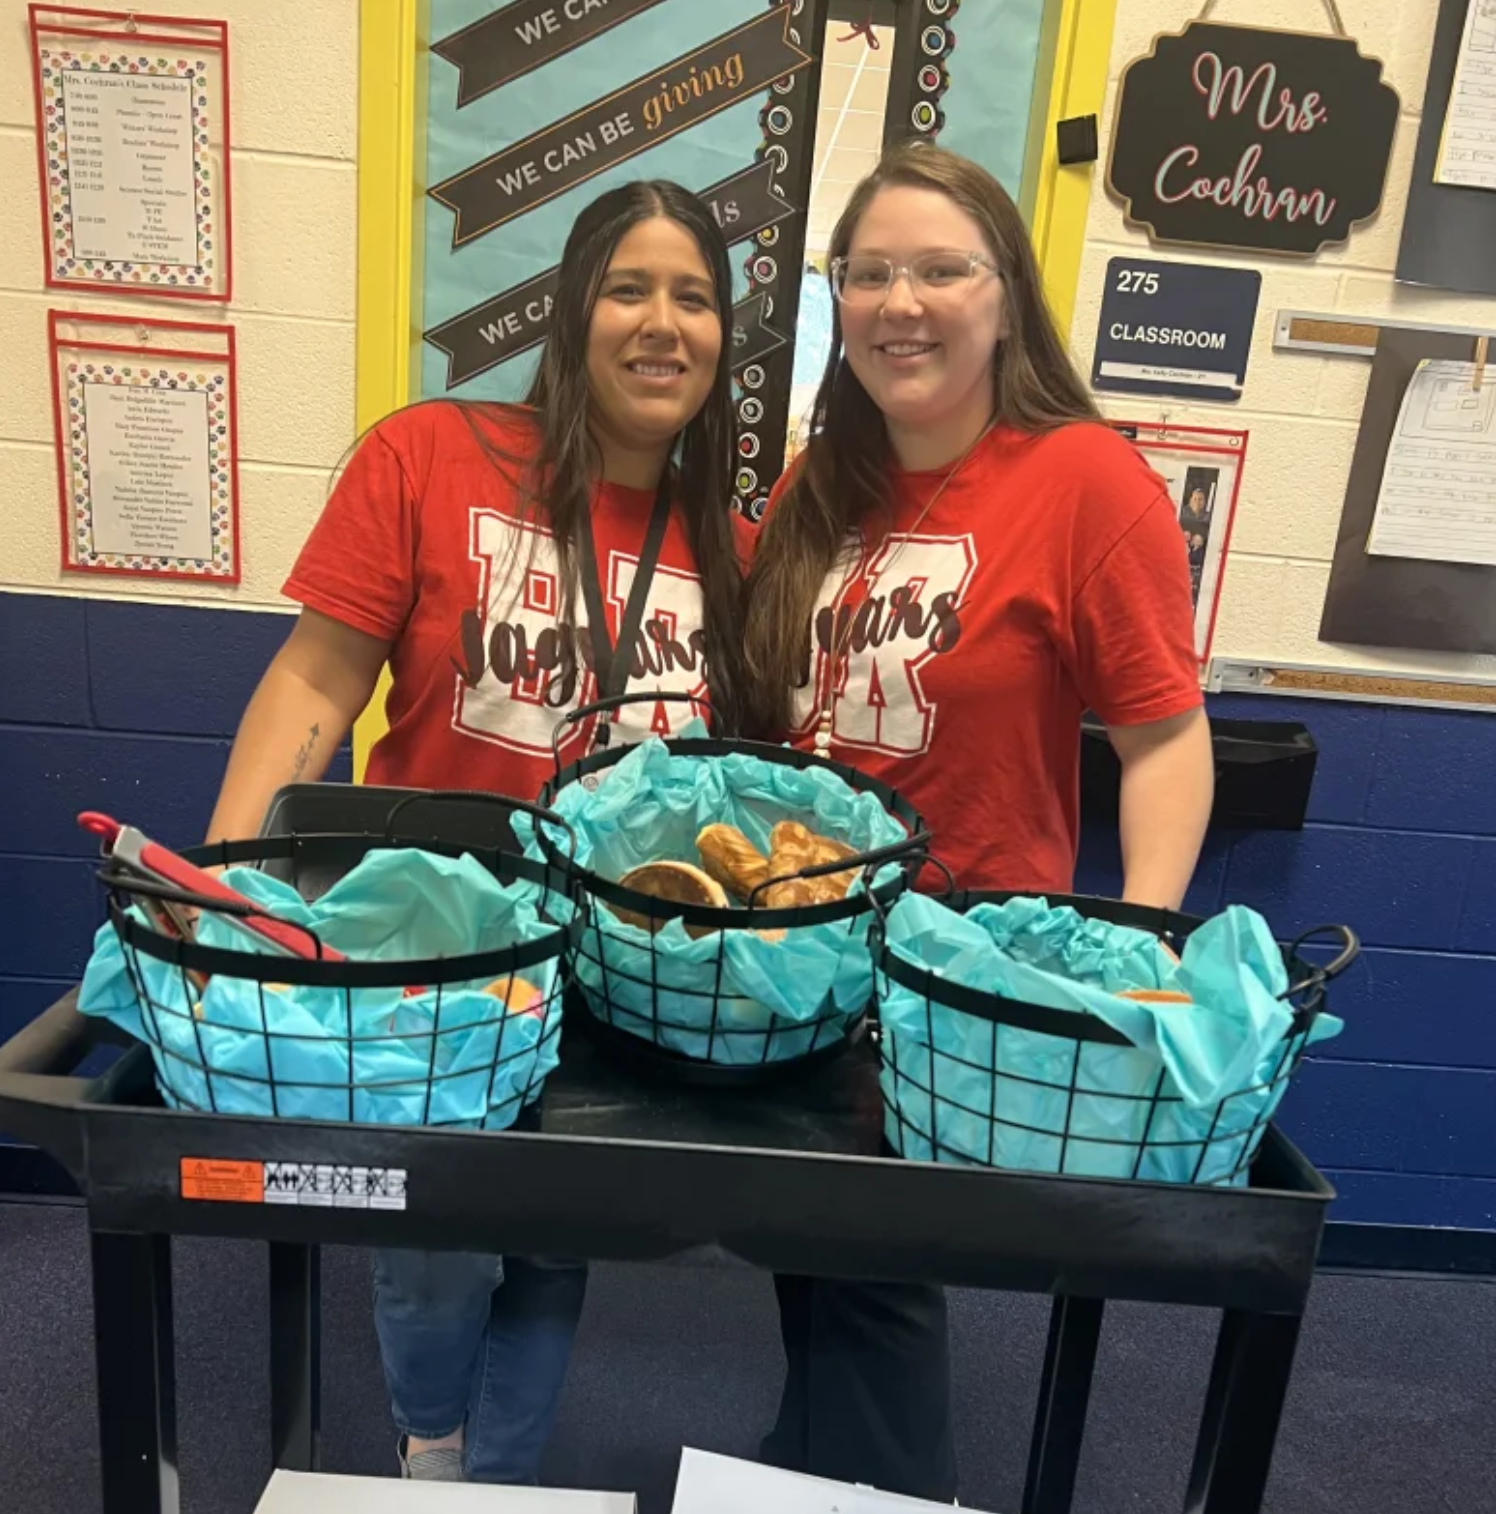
(1168, 784)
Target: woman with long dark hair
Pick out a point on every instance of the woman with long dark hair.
(962, 562)
(510, 563)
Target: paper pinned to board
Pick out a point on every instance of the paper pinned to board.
(1467, 148)
(1437, 499)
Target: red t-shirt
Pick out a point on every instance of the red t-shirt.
(422, 543)
(1049, 578)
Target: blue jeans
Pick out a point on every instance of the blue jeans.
(477, 1343)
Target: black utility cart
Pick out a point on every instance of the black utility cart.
(788, 1176)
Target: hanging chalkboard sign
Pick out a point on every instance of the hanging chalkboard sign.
(1268, 141)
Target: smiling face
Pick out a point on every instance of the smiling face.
(925, 354)
(652, 344)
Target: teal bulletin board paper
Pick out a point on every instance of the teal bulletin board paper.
(454, 280)
(991, 93)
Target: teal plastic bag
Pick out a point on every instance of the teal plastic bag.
(730, 997)
(1188, 1101)
(368, 1055)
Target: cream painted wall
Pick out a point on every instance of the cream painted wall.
(294, 79)
(1302, 411)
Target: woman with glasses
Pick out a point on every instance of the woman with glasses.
(958, 566)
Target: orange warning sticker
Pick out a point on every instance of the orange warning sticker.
(226, 1182)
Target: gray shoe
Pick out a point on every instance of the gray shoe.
(443, 1465)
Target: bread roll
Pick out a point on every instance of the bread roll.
(518, 996)
(677, 881)
(733, 860)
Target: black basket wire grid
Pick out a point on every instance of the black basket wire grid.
(415, 1065)
(731, 1040)
(990, 1081)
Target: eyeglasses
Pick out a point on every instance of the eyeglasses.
(935, 277)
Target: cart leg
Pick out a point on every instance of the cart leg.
(1248, 1383)
(1064, 1393)
(295, 1355)
(136, 1372)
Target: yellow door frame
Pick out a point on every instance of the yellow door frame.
(391, 164)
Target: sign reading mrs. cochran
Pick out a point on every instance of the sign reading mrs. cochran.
(652, 109)
(1231, 136)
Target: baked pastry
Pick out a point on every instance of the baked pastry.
(518, 996)
(795, 847)
(678, 882)
(1155, 996)
(733, 860)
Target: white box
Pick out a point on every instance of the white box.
(710, 1484)
(318, 1493)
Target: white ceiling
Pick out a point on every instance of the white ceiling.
(849, 129)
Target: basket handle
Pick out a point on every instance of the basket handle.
(880, 914)
(607, 706)
(1317, 977)
(119, 881)
(866, 862)
(538, 813)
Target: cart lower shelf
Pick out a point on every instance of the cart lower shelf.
(618, 1165)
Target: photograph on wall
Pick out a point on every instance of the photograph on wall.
(147, 446)
(1201, 468)
(133, 149)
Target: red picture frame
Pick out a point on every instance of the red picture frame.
(1157, 442)
(211, 348)
(102, 34)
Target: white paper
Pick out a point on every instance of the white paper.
(130, 167)
(1467, 151)
(1438, 495)
(711, 1484)
(148, 471)
(318, 1493)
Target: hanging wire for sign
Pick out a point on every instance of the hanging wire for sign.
(1331, 9)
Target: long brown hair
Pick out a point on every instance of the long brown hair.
(842, 481)
(557, 483)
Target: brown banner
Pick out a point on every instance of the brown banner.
(728, 69)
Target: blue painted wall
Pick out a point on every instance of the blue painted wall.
(1400, 1110)
(126, 708)
(131, 708)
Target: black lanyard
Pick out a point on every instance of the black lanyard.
(612, 662)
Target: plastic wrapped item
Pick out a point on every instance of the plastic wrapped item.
(1022, 1034)
(465, 1054)
(736, 996)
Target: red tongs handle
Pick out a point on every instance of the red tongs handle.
(137, 851)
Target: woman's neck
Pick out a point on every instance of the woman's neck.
(631, 467)
(927, 448)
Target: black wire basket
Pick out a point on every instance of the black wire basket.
(649, 1004)
(974, 1077)
(459, 1041)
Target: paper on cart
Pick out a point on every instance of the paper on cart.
(710, 1484)
(317, 1493)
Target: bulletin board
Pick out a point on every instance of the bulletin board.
(485, 127)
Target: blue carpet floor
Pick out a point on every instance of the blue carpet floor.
(1393, 1408)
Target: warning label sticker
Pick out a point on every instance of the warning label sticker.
(315, 1185)
(225, 1182)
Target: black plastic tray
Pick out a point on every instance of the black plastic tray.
(793, 1177)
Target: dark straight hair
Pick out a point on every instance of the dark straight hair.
(556, 484)
(843, 484)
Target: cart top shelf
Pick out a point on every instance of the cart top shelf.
(789, 1176)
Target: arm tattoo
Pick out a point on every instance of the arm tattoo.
(304, 752)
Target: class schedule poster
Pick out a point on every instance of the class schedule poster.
(535, 108)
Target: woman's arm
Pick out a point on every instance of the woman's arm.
(1168, 783)
(309, 697)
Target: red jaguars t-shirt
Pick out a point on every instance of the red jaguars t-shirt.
(423, 542)
(1050, 577)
